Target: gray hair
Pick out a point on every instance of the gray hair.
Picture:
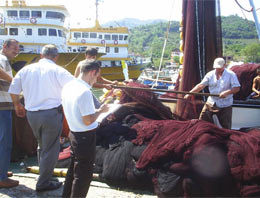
(49, 51)
(89, 65)
(8, 42)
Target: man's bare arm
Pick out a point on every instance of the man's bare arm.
(5, 76)
(19, 108)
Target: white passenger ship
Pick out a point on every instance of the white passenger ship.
(36, 26)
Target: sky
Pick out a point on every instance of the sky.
(82, 12)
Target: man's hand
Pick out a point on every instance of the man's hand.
(187, 96)
(224, 94)
(103, 108)
(107, 86)
(115, 82)
(19, 110)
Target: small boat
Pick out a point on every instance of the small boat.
(36, 26)
(164, 79)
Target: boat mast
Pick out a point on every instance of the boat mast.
(255, 18)
(96, 10)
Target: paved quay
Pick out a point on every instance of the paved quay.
(97, 189)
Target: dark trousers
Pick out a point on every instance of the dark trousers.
(80, 172)
(224, 115)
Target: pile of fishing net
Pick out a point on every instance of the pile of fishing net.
(142, 145)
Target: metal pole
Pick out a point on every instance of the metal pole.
(163, 90)
(255, 18)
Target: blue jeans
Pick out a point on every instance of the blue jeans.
(5, 142)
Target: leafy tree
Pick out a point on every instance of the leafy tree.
(148, 40)
(252, 53)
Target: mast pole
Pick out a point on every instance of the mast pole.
(255, 18)
(96, 10)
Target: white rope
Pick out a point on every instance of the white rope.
(71, 60)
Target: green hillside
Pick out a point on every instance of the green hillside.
(148, 40)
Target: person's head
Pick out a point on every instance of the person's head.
(91, 53)
(90, 70)
(219, 64)
(50, 52)
(11, 48)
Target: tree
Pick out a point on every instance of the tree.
(252, 53)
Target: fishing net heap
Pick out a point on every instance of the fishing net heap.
(140, 147)
(245, 74)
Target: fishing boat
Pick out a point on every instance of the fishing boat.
(164, 79)
(36, 26)
(113, 42)
(198, 56)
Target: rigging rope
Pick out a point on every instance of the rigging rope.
(242, 8)
(164, 45)
(72, 60)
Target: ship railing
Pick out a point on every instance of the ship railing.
(33, 20)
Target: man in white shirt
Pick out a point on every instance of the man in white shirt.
(80, 112)
(41, 84)
(9, 51)
(91, 54)
(223, 82)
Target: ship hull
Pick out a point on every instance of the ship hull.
(70, 60)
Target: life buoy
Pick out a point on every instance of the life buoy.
(115, 42)
(83, 41)
(103, 42)
(33, 20)
(1, 20)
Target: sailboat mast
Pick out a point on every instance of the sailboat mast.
(96, 10)
(255, 18)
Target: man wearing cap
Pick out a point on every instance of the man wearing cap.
(223, 82)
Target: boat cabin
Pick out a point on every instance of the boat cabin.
(33, 26)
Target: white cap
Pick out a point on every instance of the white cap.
(219, 63)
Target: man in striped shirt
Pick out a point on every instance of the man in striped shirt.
(9, 51)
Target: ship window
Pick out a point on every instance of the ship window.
(37, 14)
(63, 34)
(113, 63)
(107, 49)
(13, 31)
(100, 36)
(29, 31)
(85, 35)
(114, 37)
(121, 37)
(59, 33)
(55, 15)
(77, 35)
(12, 13)
(52, 32)
(125, 38)
(24, 14)
(116, 49)
(42, 32)
(82, 49)
(3, 31)
(107, 37)
(93, 35)
(118, 63)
